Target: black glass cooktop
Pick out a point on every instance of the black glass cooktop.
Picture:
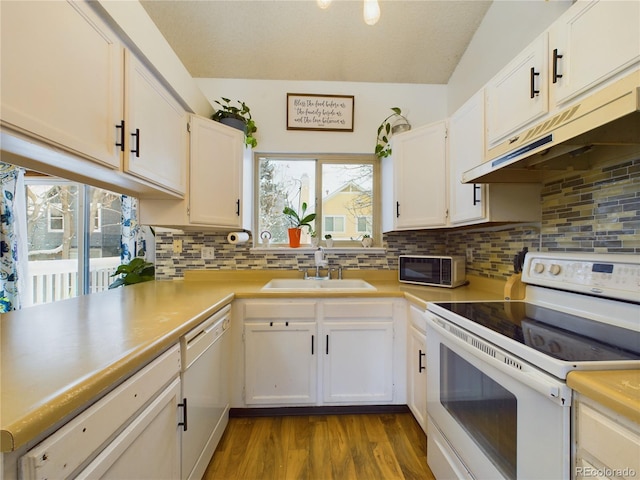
(558, 334)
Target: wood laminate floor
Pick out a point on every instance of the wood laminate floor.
(321, 447)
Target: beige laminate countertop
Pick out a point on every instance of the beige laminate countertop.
(618, 390)
(56, 359)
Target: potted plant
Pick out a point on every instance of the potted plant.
(367, 241)
(328, 240)
(296, 223)
(394, 123)
(237, 117)
(136, 271)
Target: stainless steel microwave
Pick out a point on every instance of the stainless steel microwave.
(438, 271)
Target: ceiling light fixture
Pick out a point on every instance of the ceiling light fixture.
(371, 12)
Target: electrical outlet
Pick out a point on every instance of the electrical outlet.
(208, 253)
(177, 246)
(469, 254)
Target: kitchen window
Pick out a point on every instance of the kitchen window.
(73, 238)
(343, 191)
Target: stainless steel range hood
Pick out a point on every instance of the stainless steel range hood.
(602, 127)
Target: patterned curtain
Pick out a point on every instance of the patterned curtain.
(12, 238)
(137, 240)
(130, 229)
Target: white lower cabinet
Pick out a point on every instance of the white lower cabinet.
(280, 362)
(607, 444)
(315, 352)
(280, 352)
(417, 365)
(133, 432)
(357, 356)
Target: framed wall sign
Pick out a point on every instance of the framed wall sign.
(307, 111)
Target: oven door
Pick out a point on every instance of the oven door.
(491, 415)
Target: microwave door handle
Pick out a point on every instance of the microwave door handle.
(555, 391)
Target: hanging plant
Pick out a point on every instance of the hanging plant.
(394, 123)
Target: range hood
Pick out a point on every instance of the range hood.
(604, 126)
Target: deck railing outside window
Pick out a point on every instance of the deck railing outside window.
(53, 280)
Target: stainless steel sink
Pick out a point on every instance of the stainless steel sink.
(295, 284)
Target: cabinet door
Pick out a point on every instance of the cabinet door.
(149, 448)
(357, 361)
(419, 159)
(215, 173)
(596, 39)
(417, 372)
(156, 125)
(62, 77)
(518, 95)
(466, 150)
(280, 362)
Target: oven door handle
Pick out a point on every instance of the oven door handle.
(554, 390)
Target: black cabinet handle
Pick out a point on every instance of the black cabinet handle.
(327, 346)
(556, 57)
(312, 342)
(238, 207)
(121, 143)
(183, 424)
(421, 367)
(476, 188)
(397, 209)
(137, 137)
(534, 74)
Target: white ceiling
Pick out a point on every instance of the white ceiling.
(415, 41)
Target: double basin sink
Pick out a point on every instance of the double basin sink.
(300, 285)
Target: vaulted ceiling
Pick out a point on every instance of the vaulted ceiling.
(415, 41)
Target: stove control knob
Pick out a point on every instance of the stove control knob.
(554, 269)
(538, 268)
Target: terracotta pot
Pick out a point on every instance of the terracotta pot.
(294, 237)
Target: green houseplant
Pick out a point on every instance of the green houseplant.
(136, 271)
(237, 117)
(394, 123)
(296, 222)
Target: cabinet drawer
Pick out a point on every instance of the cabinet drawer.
(608, 441)
(63, 452)
(280, 310)
(355, 309)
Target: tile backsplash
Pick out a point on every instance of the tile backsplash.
(592, 211)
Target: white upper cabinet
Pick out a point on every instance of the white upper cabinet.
(519, 94)
(466, 150)
(219, 187)
(216, 196)
(155, 130)
(473, 203)
(418, 163)
(593, 41)
(62, 78)
(67, 84)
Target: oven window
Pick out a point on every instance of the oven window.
(486, 410)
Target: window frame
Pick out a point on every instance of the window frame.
(322, 159)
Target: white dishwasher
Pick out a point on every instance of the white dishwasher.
(205, 391)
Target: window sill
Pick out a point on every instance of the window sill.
(308, 250)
